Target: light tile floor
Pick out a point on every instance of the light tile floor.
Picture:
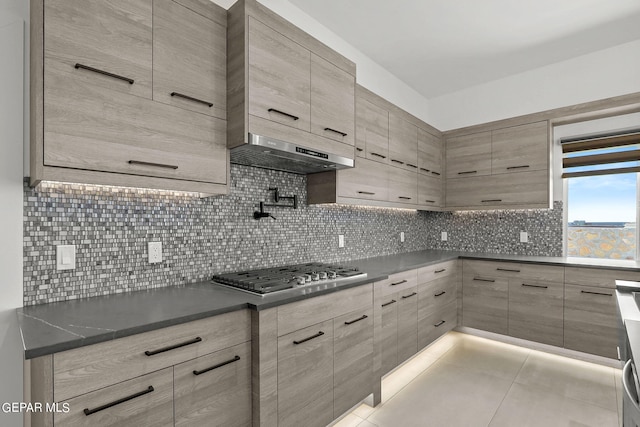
(467, 381)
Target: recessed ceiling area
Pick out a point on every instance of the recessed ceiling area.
(442, 46)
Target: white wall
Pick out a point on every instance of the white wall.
(12, 73)
(603, 74)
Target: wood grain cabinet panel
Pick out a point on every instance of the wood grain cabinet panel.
(590, 323)
(353, 378)
(429, 191)
(107, 36)
(214, 389)
(367, 180)
(536, 310)
(150, 404)
(396, 283)
(403, 185)
(485, 303)
(429, 154)
(436, 294)
(437, 323)
(598, 277)
(305, 376)
(388, 341)
(372, 131)
(436, 271)
(403, 143)
(407, 323)
(279, 77)
(520, 148)
(332, 101)
(469, 155)
(189, 58)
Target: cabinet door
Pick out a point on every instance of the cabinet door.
(305, 376)
(92, 128)
(469, 155)
(372, 131)
(142, 401)
(429, 191)
(214, 389)
(407, 324)
(403, 143)
(485, 303)
(429, 154)
(403, 185)
(367, 180)
(437, 323)
(189, 59)
(353, 359)
(104, 43)
(536, 310)
(590, 323)
(520, 148)
(332, 101)
(279, 77)
(389, 333)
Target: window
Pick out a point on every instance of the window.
(601, 175)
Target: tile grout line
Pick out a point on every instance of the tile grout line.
(510, 387)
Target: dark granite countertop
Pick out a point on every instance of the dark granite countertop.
(55, 327)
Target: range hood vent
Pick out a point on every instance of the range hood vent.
(270, 153)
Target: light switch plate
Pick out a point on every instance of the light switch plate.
(155, 252)
(341, 240)
(443, 236)
(65, 257)
(524, 237)
(402, 236)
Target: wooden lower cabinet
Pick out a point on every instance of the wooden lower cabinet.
(485, 303)
(388, 340)
(214, 389)
(353, 378)
(305, 376)
(590, 321)
(437, 303)
(149, 402)
(437, 323)
(407, 323)
(536, 311)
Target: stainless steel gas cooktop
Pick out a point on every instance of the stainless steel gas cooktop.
(270, 280)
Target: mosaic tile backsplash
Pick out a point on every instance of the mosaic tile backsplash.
(201, 237)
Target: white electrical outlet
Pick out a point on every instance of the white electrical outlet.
(524, 237)
(443, 236)
(341, 240)
(155, 252)
(402, 237)
(65, 257)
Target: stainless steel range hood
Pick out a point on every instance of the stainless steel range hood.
(270, 153)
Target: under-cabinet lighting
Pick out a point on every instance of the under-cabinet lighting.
(384, 208)
(61, 186)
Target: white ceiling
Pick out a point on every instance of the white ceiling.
(442, 46)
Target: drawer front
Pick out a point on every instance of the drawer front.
(436, 271)
(305, 377)
(353, 359)
(305, 313)
(536, 310)
(215, 389)
(590, 323)
(485, 304)
(407, 323)
(92, 128)
(150, 404)
(84, 369)
(598, 277)
(396, 283)
(436, 294)
(513, 270)
(437, 324)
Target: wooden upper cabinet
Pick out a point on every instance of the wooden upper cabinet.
(520, 148)
(403, 186)
(189, 58)
(372, 131)
(469, 155)
(403, 143)
(429, 191)
(429, 154)
(332, 101)
(104, 43)
(279, 77)
(368, 180)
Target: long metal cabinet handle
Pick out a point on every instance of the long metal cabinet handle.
(173, 347)
(378, 155)
(440, 323)
(425, 170)
(435, 173)
(219, 365)
(105, 73)
(335, 131)
(467, 172)
(398, 283)
(190, 98)
(409, 296)
(517, 167)
(439, 294)
(351, 322)
(535, 286)
(491, 200)
(397, 161)
(88, 411)
(158, 165)
(430, 201)
(440, 271)
(412, 166)
(404, 197)
(478, 279)
(597, 293)
(319, 334)
(273, 110)
(359, 149)
(366, 192)
(388, 303)
(508, 269)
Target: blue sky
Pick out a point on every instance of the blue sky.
(602, 198)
